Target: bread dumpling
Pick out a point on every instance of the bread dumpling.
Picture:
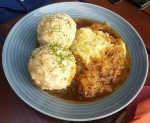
(56, 28)
(52, 67)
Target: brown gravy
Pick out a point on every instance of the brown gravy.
(72, 93)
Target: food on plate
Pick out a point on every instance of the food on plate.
(79, 60)
(56, 28)
(52, 67)
(100, 60)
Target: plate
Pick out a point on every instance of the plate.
(22, 40)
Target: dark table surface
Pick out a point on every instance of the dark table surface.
(14, 110)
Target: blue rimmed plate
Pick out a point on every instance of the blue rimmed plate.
(22, 40)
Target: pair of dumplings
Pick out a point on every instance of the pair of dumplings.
(52, 66)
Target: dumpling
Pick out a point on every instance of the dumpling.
(52, 67)
(56, 28)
